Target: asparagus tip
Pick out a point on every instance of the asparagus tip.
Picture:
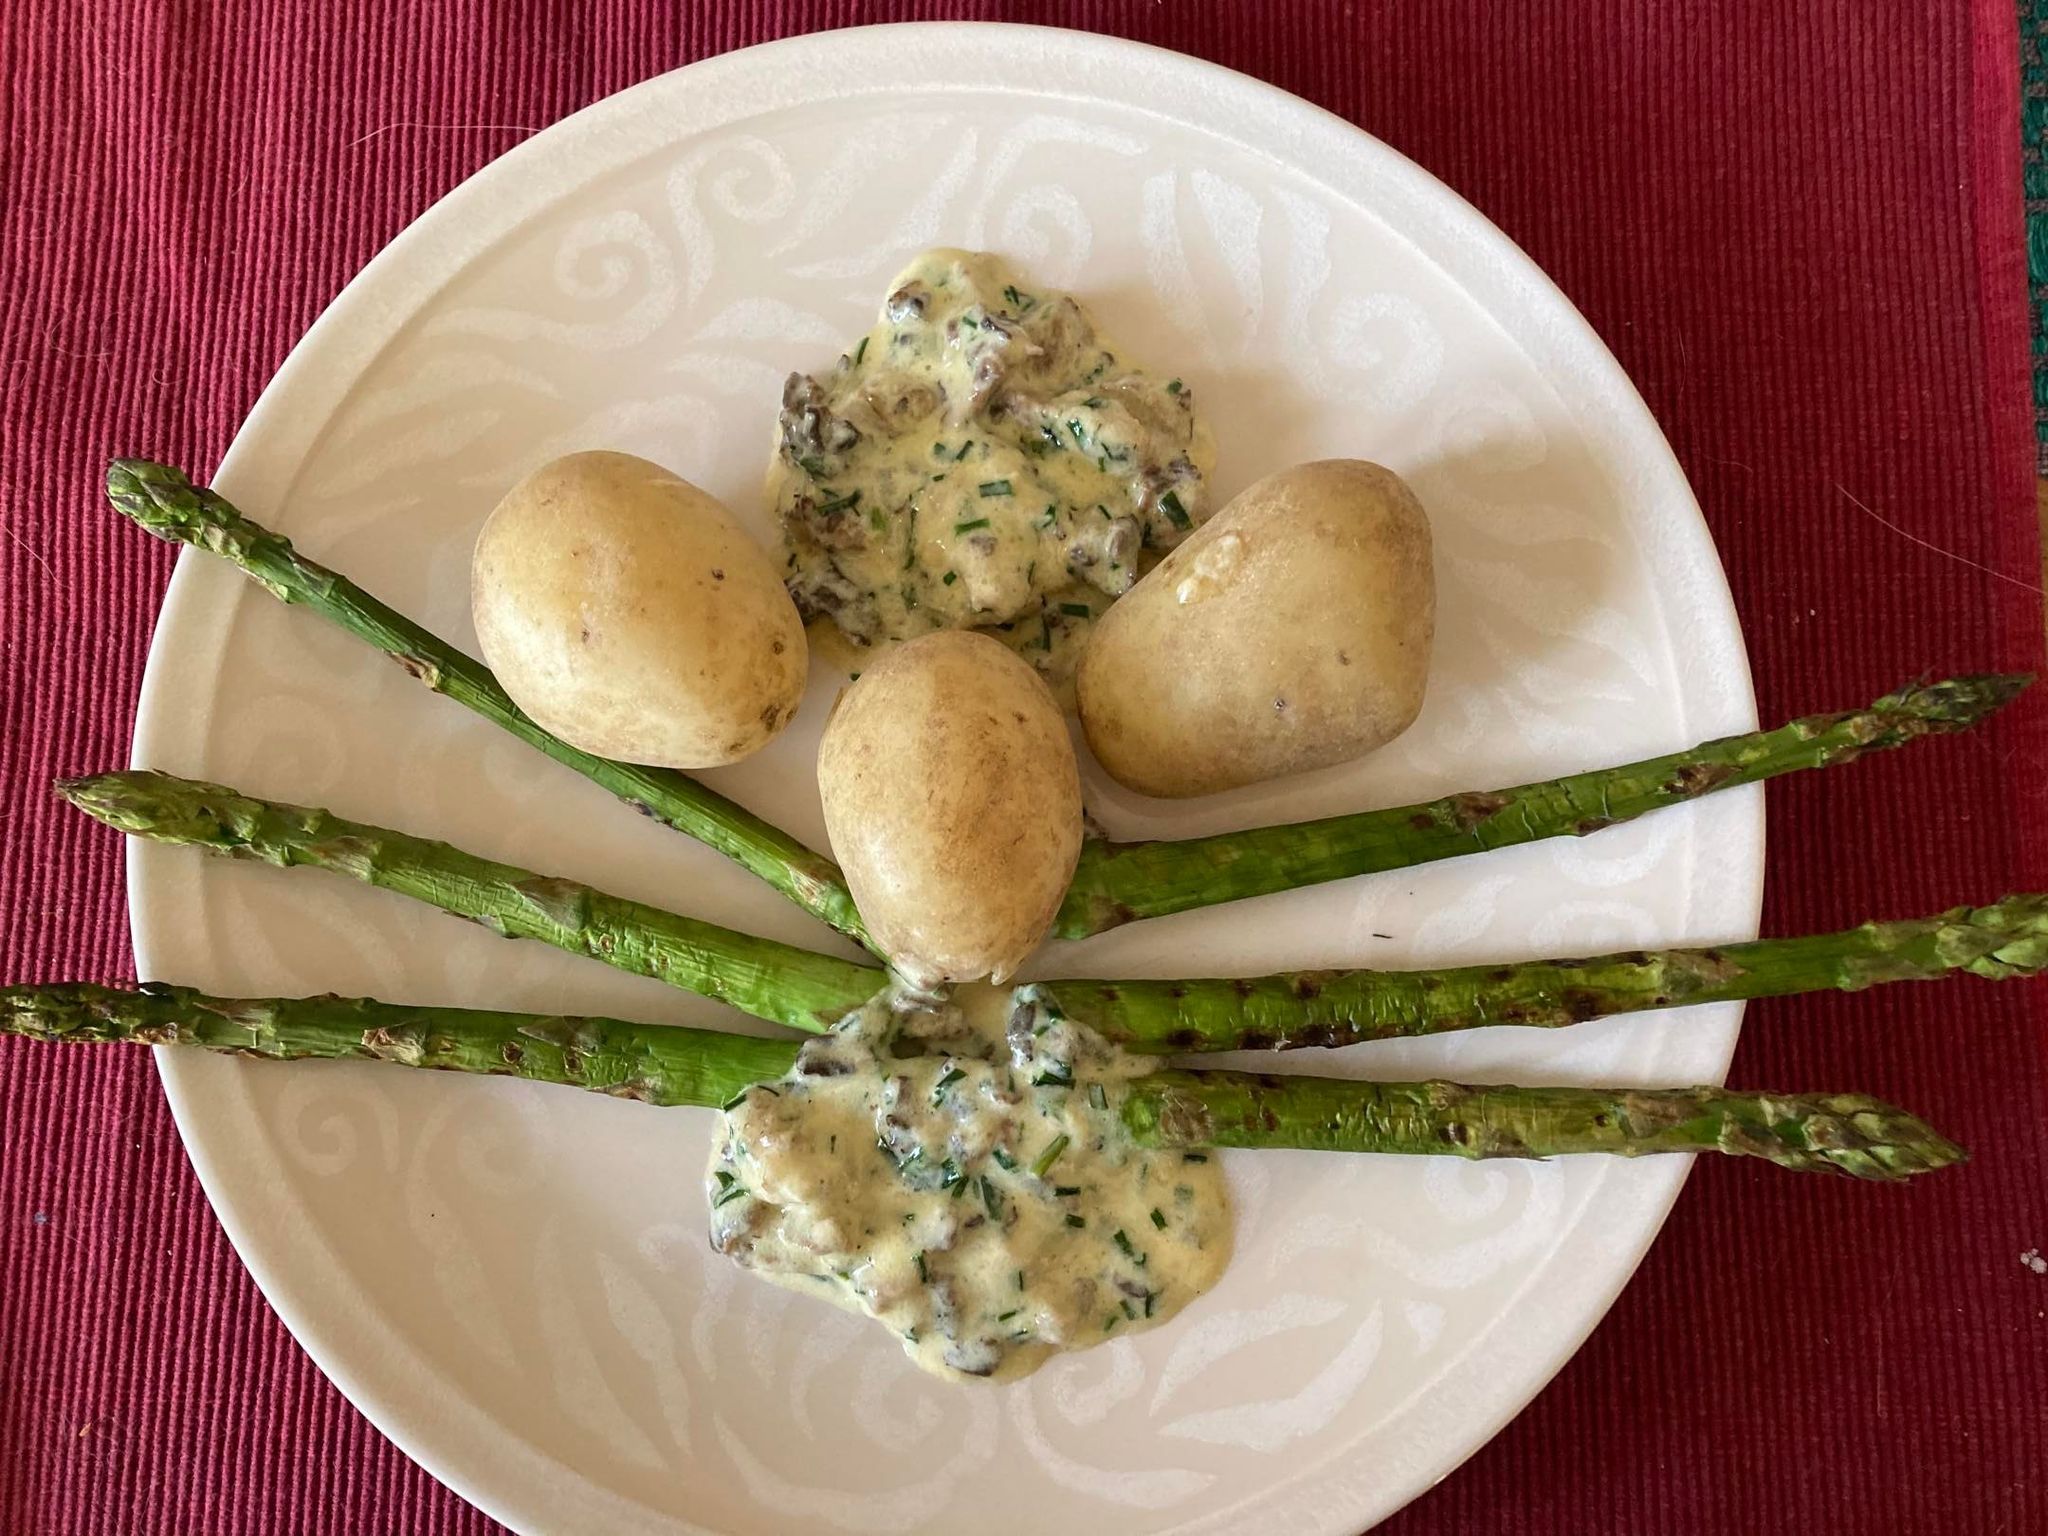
(1846, 1133)
(1954, 703)
(138, 800)
(88, 794)
(2006, 939)
(156, 497)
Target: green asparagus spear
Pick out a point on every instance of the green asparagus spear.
(164, 502)
(768, 979)
(1809, 1133)
(649, 1062)
(1116, 882)
(1334, 1008)
(793, 986)
(1832, 1133)
(1121, 882)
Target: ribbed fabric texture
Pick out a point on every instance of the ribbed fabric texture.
(1796, 222)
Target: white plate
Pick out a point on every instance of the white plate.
(513, 1282)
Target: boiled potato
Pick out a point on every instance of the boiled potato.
(1289, 632)
(629, 614)
(954, 805)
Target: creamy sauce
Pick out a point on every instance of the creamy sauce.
(981, 459)
(957, 1170)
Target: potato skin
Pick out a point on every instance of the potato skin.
(1289, 632)
(953, 802)
(629, 614)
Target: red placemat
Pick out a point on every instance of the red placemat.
(1797, 224)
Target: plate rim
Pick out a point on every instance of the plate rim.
(429, 231)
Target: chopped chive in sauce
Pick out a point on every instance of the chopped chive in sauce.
(990, 1199)
(1057, 1074)
(950, 577)
(1126, 1248)
(1051, 434)
(860, 351)
(1078, 610)
(923, 1275)
(910, 598)
(970, 525)
(1104, 511)
(1077, 1221)
(1173, 386)
(839, 503)
(1004, 1161)
(946, 1080)
(965, 449)
(736, 1100)
(1064, 1190)
(1050, 1155)
(1052, 515)
(1020, 1279)
(725, 1180)
(1158, 1220)
(1111, 1321)
(1097, 1097)
(1094, 402)
(1170, 505)
(875, 519)
(995, 488)
(1074, 427)
(1023, 303)
(1194, 1157)
(1150, 1297)
(729, 1195)
(811, 465)
(1004, 1317)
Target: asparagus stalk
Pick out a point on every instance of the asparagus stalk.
(648, 1062)
(1327, 1008)
(1827, 1133)
(2007, 939)
(164, 502)
(768, 979)
(1116, 882)
(1120, 882)
(1844, 1133)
